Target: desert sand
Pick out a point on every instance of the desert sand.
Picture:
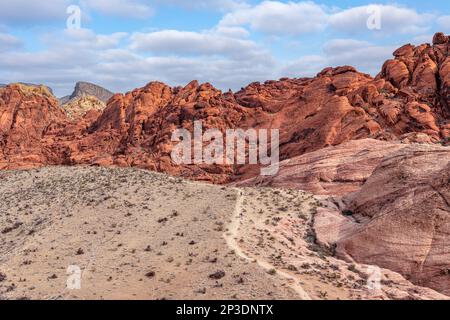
(136, 234)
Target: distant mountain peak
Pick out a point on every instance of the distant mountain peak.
(83, 89)
(31, 85)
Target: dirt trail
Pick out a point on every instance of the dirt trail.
(140, 235)
(233, 233)
(134, 234)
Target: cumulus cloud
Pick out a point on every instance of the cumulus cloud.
(424, 38)
(393, 19)
(196, 43)
(123, 8)
(85, 55)
(229, 54)
(221, 72)
(9, 42)
(84, 38)
(275, 17)
(360, 54)
(30, 11)
(223, 5)
(444, 22)
(364, 56)
(235, 32)
(306, 66)
(77, 55)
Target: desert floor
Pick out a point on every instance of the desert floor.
(135, 234)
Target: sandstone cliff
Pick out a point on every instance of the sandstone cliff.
(87, 89)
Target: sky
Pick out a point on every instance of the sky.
(124, 44)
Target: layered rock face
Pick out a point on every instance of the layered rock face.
(85, 97)
(77, 108)
(402, 214)
(136, 129)
(421, 79)
(83, 89)
(27, 114)
(385, 204)
(332, 171)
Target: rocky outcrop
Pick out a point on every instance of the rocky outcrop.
(78, 107)
(400, 218)
(27, 114)
(136, 128)
(27, 84)
(407, 101)
(83, 89)
(332, 171)
(385, 204)
(419, 95)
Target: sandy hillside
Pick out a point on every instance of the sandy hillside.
(140, 235)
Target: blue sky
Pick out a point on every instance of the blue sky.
(123, 44)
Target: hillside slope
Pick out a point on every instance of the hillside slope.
(140, 235)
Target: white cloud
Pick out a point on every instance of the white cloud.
(83, 55)
(394, 19)
(307, 66)
(304, 17)
(359, 54)
(444, 22)
(85, 38)
(275, 17)
(176, 42)
(122, 8)
(223, 5)
(30, 11)
(221, 72)
(424, 38)
(226, 55)
(235, 32)
(9, 42)
(362, 55)
(102, 59)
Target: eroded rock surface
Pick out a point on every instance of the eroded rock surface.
(333, 171)
(27, 114)
(83, 89)
(403, 214)
(77, 108)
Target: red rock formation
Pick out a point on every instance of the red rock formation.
(332, 171)
(421, 85)
(402, 215)
(409, 96)
(136, 128)
(390, 204)
(26, 116)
